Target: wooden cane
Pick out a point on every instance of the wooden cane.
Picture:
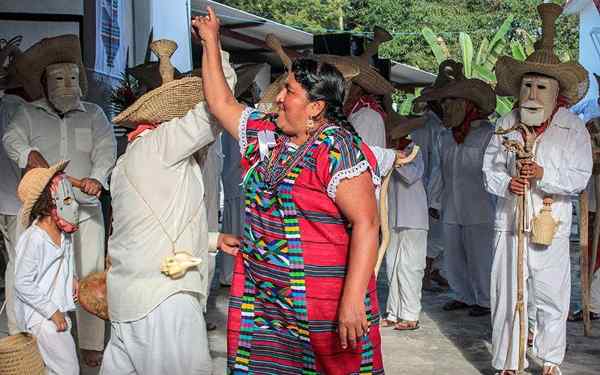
(584, 262)
(383, 207)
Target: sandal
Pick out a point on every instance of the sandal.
(407, 325)
(577, 316)
(455, 305)
(551, 370)
(387, 323)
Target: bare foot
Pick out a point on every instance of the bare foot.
(551, 370)
(387, 323)
(91, 358)
(407, 325)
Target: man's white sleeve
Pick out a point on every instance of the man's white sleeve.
(16, 138)
(104, 151)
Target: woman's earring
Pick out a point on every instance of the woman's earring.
(310, 125)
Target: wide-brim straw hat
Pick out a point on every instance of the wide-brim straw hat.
(475, 90)
(349, 70)
(31, 64)
(173, 99)
(246, 75)
(368, 78)
(572, 77)
(9, 49)
(19, 355)
(33, 184)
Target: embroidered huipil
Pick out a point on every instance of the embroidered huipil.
(43, 277)
(289, 278)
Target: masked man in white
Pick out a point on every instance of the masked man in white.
(158, 283)
(559, 169)
(59, 125)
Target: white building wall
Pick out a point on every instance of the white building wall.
(589, 53)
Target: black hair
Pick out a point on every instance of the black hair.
(42, 206)
(324, 82)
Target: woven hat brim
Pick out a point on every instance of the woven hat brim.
(30, 65)
(245, 77)
(171, 100)
(399, 127)
(368, 78)
(572, 77)
(475, 90)
(36, 189)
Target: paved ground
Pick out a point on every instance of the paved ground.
(447, 343)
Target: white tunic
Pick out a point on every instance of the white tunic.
(9, 204)
(460, 193)
(563, 150)
(43, 283)
(84, 136)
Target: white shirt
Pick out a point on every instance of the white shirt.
(427, 138)
(563, 150)
(460, 192)
(369, 125)
(406, 197)
(84, 136)
(9, 204)
(158, 181)
(43, 283)
(587, 109)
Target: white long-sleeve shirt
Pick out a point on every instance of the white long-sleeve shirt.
(9, 204)
(84, 136)
(369, 125)
(158, 183)
(427, 138)
(407, 200)
(563, 151)
(43, 283)
(460, 193)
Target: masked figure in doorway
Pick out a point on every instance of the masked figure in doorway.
(59, 125)
(467, 210)
(558, 168)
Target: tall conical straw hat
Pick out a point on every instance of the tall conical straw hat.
(572, 77)
(173, 99)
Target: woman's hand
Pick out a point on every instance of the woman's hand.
(352, 321)
(229, 243)
(206, 27)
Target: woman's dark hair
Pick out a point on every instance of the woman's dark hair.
(43, 205)
(324, 82)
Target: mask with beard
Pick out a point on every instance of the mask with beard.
(62, 84)
(454, 111)
(537, 99)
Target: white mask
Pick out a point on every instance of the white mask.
(454, 111)
(62, 82)
(66, 213)
(537, 99)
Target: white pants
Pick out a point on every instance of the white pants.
(8, 227)
(405, 264)
(469, 252)
(435, 243)
(595, 293)
(171, 339)
(88, 246)
(548, 278)
(57, 348)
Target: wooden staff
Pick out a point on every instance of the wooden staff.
(520, 307)
(584, 262)
(383, 207)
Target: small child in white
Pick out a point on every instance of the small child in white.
(45, 288)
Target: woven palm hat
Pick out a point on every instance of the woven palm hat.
(448, 71)
(173, 99)
(33, 184)
(9, 50)
(474, 90)
(349, 70)
(31, 64)
(572, 77)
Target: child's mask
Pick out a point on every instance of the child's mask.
(62, 83)
(66, 210)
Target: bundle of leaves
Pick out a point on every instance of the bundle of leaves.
(126, 93)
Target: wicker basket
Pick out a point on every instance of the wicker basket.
(19, 355)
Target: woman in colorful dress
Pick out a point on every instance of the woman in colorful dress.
(303, 299)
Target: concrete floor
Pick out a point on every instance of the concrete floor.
(447, 343)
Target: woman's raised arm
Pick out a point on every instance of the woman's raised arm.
(219, 97)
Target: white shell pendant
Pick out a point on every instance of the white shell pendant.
(175, 266)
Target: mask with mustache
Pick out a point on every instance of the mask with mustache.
(537, 99)
(454, 111)
(62, 83)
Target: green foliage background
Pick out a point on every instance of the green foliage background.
(406, 18)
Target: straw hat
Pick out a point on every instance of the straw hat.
(19, 355)
(9, 49)
(572, 77)
(173, 99)
(31, 64)
(33, 184)
(246, 75)
(475, 90)
(348, 68)
(448, 71)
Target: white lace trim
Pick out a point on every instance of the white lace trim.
(243, 141)
(351, 172)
